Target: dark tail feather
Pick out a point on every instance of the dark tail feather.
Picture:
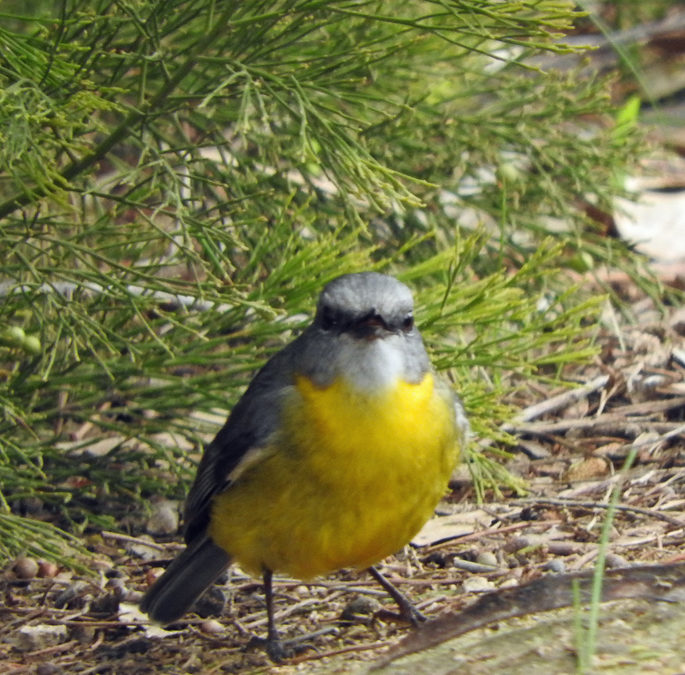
(184, 581)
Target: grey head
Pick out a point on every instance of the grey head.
(364, 331)
(366, 305)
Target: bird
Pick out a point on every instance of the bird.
(334, 457)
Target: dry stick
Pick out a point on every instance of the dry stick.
(560, 501)
(555, 403)
(135, 540)
(558, 402)
(448, 541)
(620, 417)
(634, 543)
(53, 649)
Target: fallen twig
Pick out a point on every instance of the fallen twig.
(560, 501)
(656, 582)
(619, 418)
(117, 536)
(557, 402)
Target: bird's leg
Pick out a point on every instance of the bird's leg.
(274, 647)
(408, 612)
(271, 643)
(272, 633)
(278, 650)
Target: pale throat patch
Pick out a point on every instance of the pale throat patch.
(370, 365)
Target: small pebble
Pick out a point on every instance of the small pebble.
(517, 543)
(153, 574)
(614, 560)
(25, 567)
(32, 638)
(562, 548)
(211, 626)
(164, 518)
(587, 469)
(487, 558)
(477, 584)
(555, 565)
(362, 606)
(47, 569)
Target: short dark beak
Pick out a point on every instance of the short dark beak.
(370, 327)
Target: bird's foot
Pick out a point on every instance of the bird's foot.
(407, 614)
(276, 649)
(281, 650)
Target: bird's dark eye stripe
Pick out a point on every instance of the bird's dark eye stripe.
(329, 319)
(335, 320)
(408, 322)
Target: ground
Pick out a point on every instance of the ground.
(572, 448)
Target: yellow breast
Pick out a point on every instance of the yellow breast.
(351, 478)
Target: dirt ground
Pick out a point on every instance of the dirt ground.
(572, 446)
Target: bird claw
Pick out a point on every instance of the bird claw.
(280, 650)
(274, 647)
(407, 614)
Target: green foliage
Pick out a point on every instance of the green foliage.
(42, 541)
(179, 179)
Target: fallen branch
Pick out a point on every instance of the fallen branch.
(654, 582)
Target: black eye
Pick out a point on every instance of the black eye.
(408, 323)
(329, 319)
